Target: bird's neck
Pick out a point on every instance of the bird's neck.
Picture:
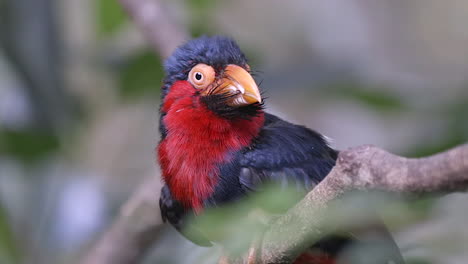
(196, 144)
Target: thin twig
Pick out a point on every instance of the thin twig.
(134, 230)
(152, 18)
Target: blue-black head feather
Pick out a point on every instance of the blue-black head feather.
(216, 51)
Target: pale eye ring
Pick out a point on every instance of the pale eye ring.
(201, 76)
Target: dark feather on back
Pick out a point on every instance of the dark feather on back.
(283, 153)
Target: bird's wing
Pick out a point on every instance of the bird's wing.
(293, 155)
(286, 154)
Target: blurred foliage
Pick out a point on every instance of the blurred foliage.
(449, 141)
(8, 250)
(422, 206)
(235, 225)
(414, 260)
(201, 12)
(456, 131)
(110, 16)
(27, 145)
(142, 75)
(375, 98)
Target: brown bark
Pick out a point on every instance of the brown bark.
(362, 168)
(134, 230)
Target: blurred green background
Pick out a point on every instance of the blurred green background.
(79, 97)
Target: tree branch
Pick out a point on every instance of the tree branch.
(158, 28)
(134, 230)
(137, 225)
(362, 168)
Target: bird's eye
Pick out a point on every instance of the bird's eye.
(201, 76)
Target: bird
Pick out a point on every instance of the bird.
(219, 144)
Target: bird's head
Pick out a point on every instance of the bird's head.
(215, 71)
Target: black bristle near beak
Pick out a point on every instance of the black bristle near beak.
(218, 104)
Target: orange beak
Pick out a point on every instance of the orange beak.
(239, 82)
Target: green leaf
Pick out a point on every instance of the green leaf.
(456, 130)
(8, 249)
(110, 16)
(430, 148)
(28, 146)
(142, 75)
(236, 224)
(202, 15)
(374, 97)
(417, 260)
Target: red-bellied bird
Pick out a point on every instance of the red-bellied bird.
(218, 144)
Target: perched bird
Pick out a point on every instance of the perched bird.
(218, 144)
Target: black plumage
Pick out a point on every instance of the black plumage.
(281, 153)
